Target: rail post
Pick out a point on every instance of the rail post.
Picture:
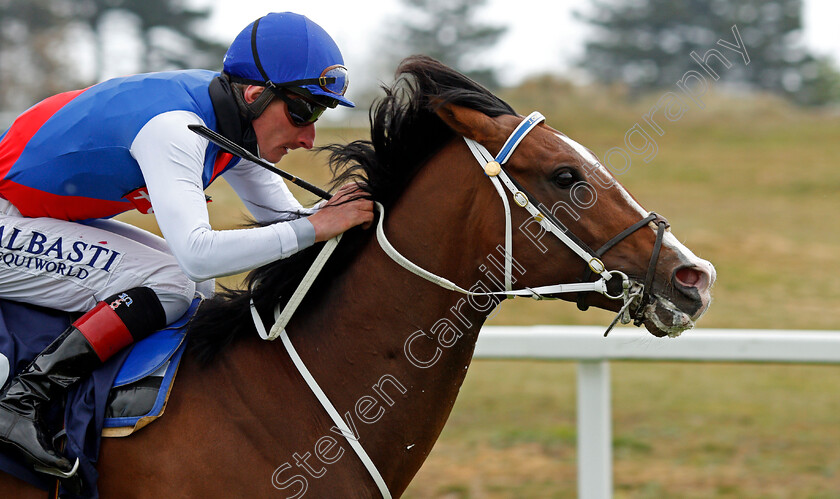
(594, 431)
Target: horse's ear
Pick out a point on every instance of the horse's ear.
(469, 123)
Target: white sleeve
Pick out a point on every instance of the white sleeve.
(171, 158)
(264, 193)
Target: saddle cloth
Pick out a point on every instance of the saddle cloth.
(142, 386)
(124, 395)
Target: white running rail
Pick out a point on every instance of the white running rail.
(593, 352)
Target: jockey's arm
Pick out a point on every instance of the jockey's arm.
(268, 199)
(171, 158)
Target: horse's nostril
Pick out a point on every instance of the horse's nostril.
(691, 277)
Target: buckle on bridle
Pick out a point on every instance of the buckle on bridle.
(597, 266)
(520, 198)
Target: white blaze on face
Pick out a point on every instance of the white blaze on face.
(670, 241)
(596, 165)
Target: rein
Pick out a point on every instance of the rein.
(632, 293)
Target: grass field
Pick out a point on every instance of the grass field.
(679, 430)
(749, 184)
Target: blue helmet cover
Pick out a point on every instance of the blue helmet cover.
(290, 47)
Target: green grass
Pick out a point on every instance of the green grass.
(747, 183)
(679, 430)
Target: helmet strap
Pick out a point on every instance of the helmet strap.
(252, 110)
(249, 140)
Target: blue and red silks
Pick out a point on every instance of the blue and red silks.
(69, 156)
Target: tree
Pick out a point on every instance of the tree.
(32, 59)
(447, 31)
(646, 44)
(42, 44)
(168, 31)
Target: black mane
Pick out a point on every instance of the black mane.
(405, 132)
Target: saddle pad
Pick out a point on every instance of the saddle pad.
(136, 405)
(151, 353)
(143, 383)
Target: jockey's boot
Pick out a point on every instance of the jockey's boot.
(109, 327)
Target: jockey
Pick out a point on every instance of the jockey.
(76, 159)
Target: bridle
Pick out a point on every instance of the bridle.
(647, 298)
(635, 296)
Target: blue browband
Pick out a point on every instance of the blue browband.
(518, 134)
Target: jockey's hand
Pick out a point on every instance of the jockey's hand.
(339, 214)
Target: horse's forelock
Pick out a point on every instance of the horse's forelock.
(405, 130)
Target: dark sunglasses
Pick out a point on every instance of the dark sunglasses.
(301, 112)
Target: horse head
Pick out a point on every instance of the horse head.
(574, 191)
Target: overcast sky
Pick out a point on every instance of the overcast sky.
(542, 36)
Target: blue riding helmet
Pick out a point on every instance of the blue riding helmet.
(284, 50)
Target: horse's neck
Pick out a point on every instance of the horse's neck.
(387, 337)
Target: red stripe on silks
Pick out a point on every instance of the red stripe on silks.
(104, 330)
(222, 160)
(27, 125)
(35, 203)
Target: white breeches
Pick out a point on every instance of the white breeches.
(71, 266)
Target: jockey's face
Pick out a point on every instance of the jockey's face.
(276, 134)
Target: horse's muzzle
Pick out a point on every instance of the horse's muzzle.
(686, 300)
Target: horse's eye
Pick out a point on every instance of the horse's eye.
(565, 178)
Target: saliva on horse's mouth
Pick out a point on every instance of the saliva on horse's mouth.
(672, 326)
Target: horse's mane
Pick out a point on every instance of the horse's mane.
(405, 132)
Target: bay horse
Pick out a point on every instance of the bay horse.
(390, 349)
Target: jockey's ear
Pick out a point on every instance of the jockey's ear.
(472, 124)
(251, 92)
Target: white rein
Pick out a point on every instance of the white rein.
(492, 167)
(501, 180)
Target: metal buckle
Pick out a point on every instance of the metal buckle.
(597, 266)
(520, 198)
